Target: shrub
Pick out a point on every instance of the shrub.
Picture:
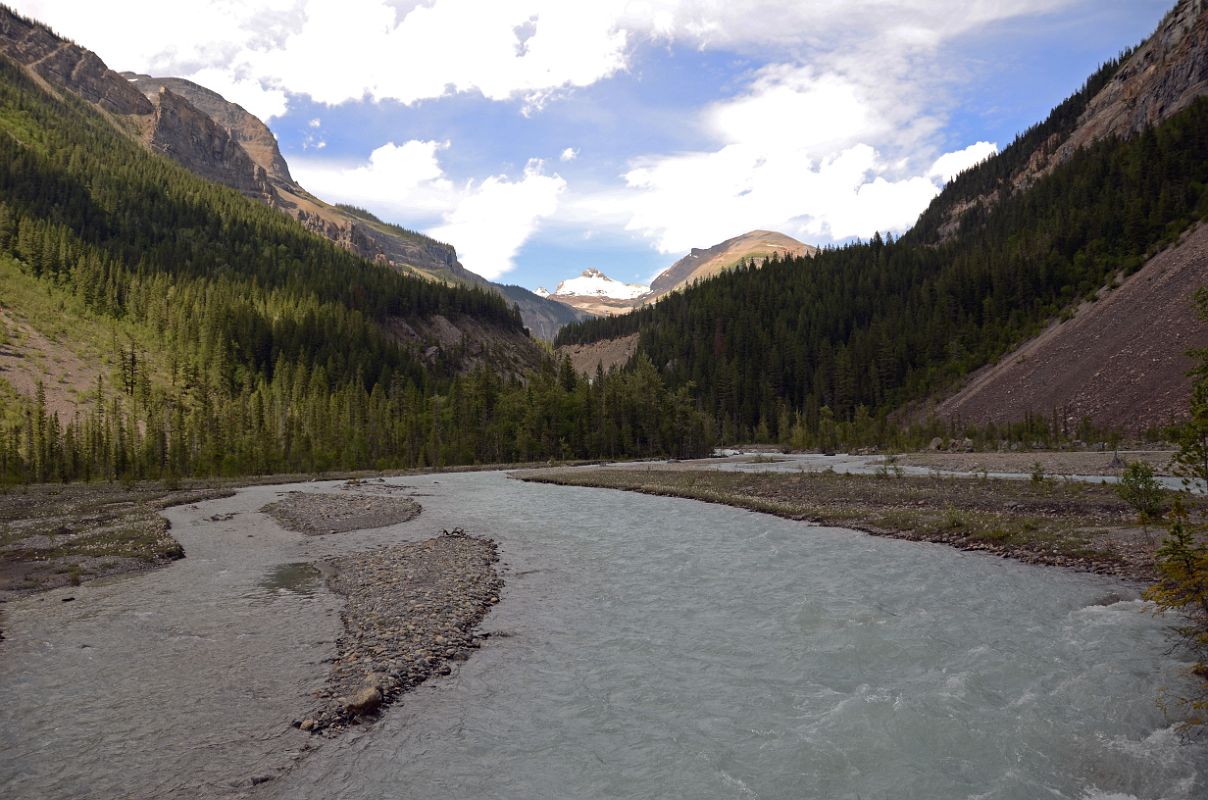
(1140, 489)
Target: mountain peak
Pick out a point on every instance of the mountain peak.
(594, 283)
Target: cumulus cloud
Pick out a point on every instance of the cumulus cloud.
(488, 221)
(495, 218)
(817, 155)
(408, 50)
(949, 165)
(569, 154)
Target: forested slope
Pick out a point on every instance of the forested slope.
(874, 325)
(242, 343)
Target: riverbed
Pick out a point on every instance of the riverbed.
(644, 647)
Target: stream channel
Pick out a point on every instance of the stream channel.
(644, 647)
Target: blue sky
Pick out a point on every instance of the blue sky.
(542, 137)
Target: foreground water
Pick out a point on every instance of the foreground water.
(646, 647)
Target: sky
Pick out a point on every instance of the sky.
(545, 137)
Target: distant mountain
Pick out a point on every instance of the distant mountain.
(1048, 286)
(544, 318)
(222, 142)
(702, 264)
(595, 293)
(593, 283)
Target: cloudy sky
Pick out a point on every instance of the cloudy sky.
(542, 137)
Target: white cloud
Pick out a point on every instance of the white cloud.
(949, 165)
(569, 154)
(819, 156)
(488, 221)
(494, 219)
(407, 50)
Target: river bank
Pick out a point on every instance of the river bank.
(1074, 525)
(644, 646)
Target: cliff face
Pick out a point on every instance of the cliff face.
(244, 128)
(182, 132)
(68, 66)
(1165, 74)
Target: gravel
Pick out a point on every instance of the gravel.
(410, 614)
(317, 514)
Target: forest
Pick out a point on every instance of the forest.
(242, 344)
(859, 331)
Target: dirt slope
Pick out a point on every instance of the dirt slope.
(1120, 362)
(607, 353)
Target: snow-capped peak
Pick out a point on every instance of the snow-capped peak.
(541, 291)
(593, 283)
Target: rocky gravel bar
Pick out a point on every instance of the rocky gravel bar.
(317, 514)
(411, 612)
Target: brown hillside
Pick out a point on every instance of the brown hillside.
(1121, 361)
(703, 264)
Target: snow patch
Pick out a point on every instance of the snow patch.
(593, 283)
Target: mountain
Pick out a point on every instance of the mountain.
(155, 324)
(702, 264)
(1096, 233)
(223, 142)
(543, 317)
(595, 293)
(1138, 90)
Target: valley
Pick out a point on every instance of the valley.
(299, 499)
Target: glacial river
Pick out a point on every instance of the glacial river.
(645, 648)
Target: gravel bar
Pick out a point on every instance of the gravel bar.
(316, 514)
(411, 610)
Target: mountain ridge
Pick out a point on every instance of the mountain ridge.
(223, 142)
(589, 294)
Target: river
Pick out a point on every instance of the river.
(645, 647)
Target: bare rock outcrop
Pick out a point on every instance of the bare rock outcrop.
(68, 66)
(191, 138)
(244, 128)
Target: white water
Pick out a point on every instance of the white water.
(656, 647)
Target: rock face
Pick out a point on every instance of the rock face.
(188, 136)
(244, 128)
(1165, 74)
(68, 66)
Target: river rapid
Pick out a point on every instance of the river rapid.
(645, 647)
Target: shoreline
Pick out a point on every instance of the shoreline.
(1078, 527)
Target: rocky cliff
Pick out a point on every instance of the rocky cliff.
(68, 66)
(184, 133)
(244, 128)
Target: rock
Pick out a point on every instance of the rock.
(366, 700)
(307, 725)
(936, 444)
